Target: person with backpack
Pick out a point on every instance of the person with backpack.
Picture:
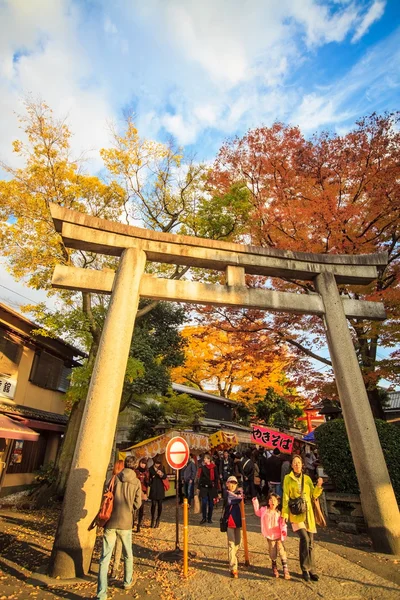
(247, 469)
(127, 497)
(207, 480)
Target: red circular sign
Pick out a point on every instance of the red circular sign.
(177, 452)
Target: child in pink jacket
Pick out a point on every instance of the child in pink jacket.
(274, 528)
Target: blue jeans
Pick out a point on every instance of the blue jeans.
(189, 491)
(109, 539)
(277, 489)
(207, 502)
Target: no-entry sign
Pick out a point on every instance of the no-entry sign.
(177, 452)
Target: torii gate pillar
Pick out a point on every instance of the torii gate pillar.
(377, 497)
(73, 545)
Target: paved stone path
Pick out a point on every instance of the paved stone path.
(346, 572)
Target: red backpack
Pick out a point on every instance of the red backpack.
(107, 504)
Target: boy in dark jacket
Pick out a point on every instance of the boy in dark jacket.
(127, 498)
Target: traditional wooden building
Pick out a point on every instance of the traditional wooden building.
(34, 376)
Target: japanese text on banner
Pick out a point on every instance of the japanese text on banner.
(271, 438)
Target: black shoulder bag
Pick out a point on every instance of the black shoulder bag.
(223, 522)
(298, 506)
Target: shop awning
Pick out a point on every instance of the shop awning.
(156, 445)
(15, 429)
(144, 442)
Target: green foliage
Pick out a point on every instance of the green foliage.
(46, 474)
(158, 346)
(80, 379)
(223, 216)
(335, 454)
(151, 415)
(242, 414)
(173, 410)
(182, 409)
(278, 412)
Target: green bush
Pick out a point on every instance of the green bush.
(334, 452)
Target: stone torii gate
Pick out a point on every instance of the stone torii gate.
(73, 544)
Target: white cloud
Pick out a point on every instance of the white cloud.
(320, 25)
(373, 14)
(362, 87)
(185, 131)
(234, 59)
(318, 110)
(110, 27)
(42, 57)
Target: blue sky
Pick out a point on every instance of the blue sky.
(199, 71)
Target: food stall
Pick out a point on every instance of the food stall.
(198, 444)
(222, 440)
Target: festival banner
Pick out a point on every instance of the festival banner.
(270, 438)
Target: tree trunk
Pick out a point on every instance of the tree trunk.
(67, 451)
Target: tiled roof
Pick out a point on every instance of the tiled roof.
(33, 413)
(393, 401)
(185, 389)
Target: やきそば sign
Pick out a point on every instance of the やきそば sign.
(272, 439)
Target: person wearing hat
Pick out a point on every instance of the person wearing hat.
(232, 515)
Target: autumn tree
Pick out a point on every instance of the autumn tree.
(28, 239)
(330, 194)
(147, 181)
(230, 364)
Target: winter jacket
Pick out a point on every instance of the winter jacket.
(273, 525)
(157, 490)
(207, 477)
(189, 472)
(144, 478)
(274, 467)
(232, 512)
(225, 468)
(285, 470)
(127, 498)
(291, 490)
(246, 466)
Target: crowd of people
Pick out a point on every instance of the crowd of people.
(273, 482)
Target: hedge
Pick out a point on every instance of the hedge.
(335, 456)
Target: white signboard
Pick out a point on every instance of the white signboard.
(7, 387)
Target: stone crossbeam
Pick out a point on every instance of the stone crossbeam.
(101, 282)
(82, 232)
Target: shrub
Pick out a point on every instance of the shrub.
(334, 451)
(46, 474)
